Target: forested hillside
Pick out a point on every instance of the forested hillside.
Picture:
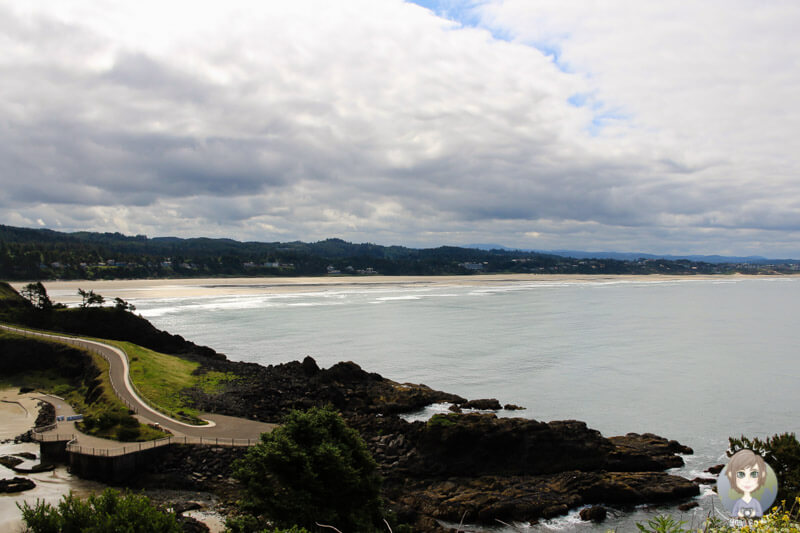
(32, 254)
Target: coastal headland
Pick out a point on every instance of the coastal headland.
(468, 463)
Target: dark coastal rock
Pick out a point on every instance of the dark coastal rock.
(489, 404)
(486, 499)
(46, 416)
(310, 367)
(34, 469)
(17, 484)
(688, 506)
(183, 506)
(704, 480)
(269, 393)
(716, 469)
(595, 513)
(636, 453)
(474, 444)
(9, 461)
(512, 468)
(512, 407)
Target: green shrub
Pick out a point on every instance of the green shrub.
(110, 511)
(312, 469)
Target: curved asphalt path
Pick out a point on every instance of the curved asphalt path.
(220, 426)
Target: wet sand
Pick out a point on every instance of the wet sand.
(17, 415)
(67, 291)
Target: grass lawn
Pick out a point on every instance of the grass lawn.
(159, 378)
(94, 399)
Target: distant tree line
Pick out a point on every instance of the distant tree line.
(31, 254)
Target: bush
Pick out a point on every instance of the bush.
(312, 469)
(111, 511)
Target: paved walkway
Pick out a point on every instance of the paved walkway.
(221, 429)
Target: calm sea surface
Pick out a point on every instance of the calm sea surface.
(696, 360)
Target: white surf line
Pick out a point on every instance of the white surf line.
(125, 370)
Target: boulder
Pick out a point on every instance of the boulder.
(489, 404)
(688, 506)
(10, 461)
(476, 444)
(595, 513)
(17, 484)
(637, 453)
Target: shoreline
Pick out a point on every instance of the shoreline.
(66, 291)
(17, 415)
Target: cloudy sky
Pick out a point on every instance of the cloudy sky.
(658, 126)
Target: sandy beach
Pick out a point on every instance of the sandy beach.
(67, 291)
(17, 413)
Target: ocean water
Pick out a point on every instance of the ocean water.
(695, 360)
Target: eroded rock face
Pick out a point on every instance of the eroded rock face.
(515, 469)
(269, 393)
(634, 452)
(527, 498)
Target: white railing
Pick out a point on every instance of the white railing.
(52, 437)
(135, 447)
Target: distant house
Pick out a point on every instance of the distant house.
(472, 266)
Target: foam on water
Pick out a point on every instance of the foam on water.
(623, 355)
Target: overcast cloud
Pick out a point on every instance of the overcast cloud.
(624, 125)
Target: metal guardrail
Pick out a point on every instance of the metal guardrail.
(136, 447)
(52, 437)
(42, 429)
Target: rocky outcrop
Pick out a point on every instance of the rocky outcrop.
(269, 393)
(595, 513)
(634, 452)
(10, 461)
(515, 469)
(17, 484)
(490, 404)
(46, 416)
(528, 498)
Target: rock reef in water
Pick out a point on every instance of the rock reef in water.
(487, 467)
(516, 469)
(17, 484)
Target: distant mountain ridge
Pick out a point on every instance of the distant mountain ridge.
(633, 256)
(36, 254)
